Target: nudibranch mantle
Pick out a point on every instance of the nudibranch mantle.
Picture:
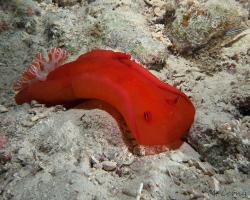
(155, 112)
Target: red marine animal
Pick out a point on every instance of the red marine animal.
(155, 112)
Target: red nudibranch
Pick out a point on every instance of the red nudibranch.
(155, 112)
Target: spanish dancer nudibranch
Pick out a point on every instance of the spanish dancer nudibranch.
(155, 112)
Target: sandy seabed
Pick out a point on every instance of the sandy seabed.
(201, 47)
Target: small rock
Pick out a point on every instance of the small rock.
(109, 165)
(3, 109)
(189, 152)
(177, 156)
(205, 167)
(42, 115)
(27, 124)
(35, 118)
(35, 104)
(215, 185)
(59, 108)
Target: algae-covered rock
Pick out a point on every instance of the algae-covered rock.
(121, 31)
(21, 8)
(18, 14)
(227, 146)
(123, 28)
(197, 21)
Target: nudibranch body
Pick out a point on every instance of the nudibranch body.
(155, 112)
